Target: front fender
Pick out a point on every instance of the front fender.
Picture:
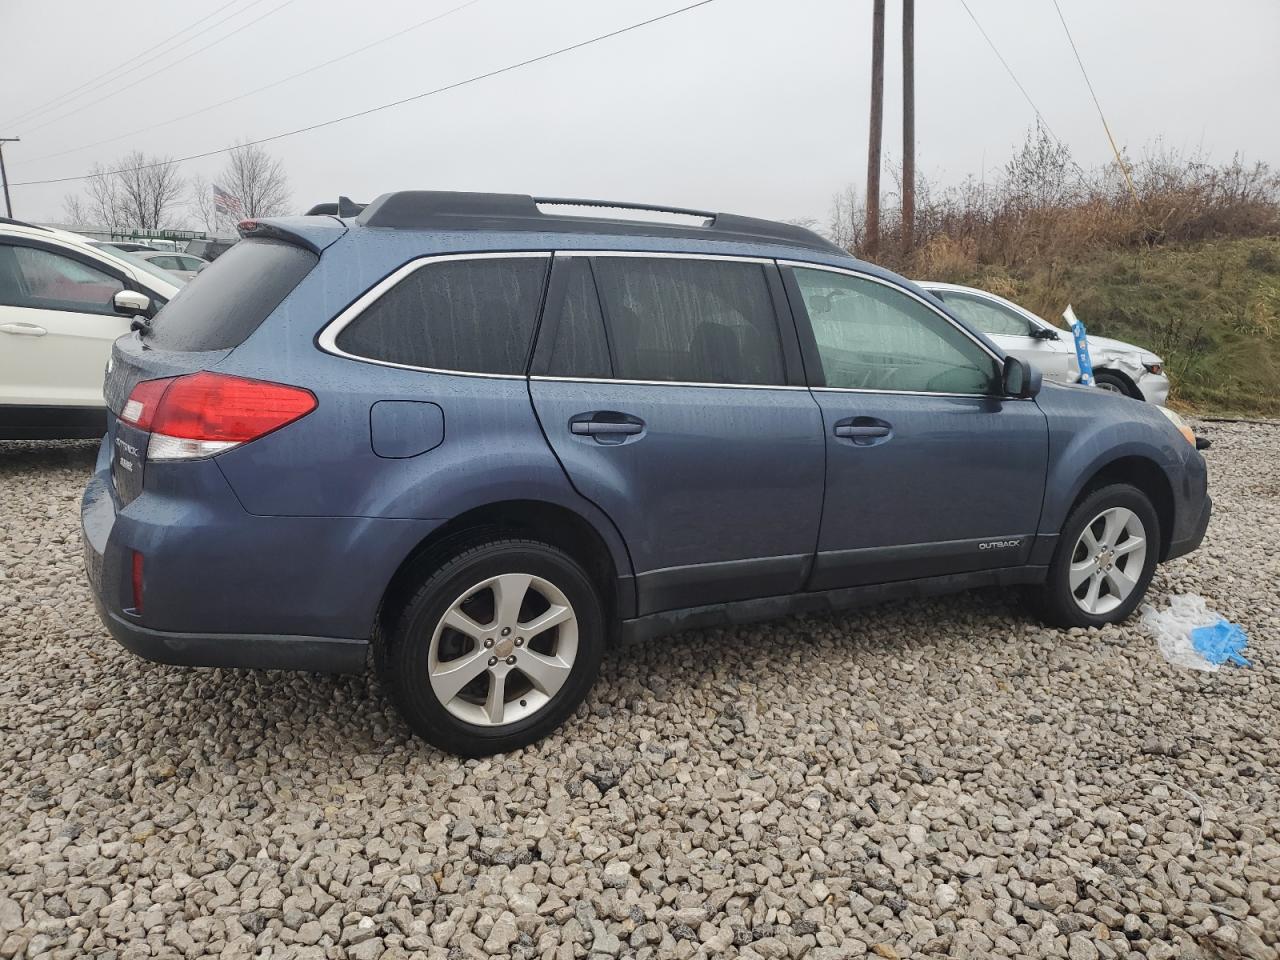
(1090, 429)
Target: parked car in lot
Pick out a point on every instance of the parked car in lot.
(128, 246)
(208, 249)
(183, 265)
(63, 301)
(1117, 366)
(485, 438)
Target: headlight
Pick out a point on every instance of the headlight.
(1181, 425)
(1153, 364)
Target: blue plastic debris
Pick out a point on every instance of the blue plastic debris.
(1220, 642)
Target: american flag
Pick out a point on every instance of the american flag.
(227, 203)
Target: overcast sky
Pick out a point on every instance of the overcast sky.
(747, 106)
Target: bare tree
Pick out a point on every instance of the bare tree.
(75, 211)
(200, 194)
(103, 200)
(150, 189)
(258, 180)
(847, 218)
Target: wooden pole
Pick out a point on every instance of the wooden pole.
(908, 125)
(877, 126)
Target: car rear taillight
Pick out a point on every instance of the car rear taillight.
(205, 413)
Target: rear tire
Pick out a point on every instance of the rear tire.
(1105, 558)
(497, 647)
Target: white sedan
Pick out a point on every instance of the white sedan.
(62, 303)
(1117, 366)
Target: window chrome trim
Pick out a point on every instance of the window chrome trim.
(663, 254)
(667, 383)
(916, 297)
(327, 339)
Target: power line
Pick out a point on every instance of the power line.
(394, 103)
(148, 76)
(1124, 167)
(1008, 69)
(275, 83)
(125, 64)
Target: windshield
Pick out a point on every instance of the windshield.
(144, 265)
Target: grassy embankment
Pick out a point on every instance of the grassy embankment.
(1173, 253)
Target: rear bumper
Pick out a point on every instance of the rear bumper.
(1180, 548)
(246, 650)
(225, 588)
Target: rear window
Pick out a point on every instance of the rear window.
(473, 316)
(232, 297)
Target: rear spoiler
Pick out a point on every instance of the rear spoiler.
(313, 233)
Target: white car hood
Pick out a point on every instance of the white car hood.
(1098, 345)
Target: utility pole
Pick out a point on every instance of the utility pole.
(908, 125)
(877, 125)
(4, 177)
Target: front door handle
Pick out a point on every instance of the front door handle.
(607, 426)
(863, 431)
(23, 329)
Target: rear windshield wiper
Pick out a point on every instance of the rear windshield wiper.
(141, 324)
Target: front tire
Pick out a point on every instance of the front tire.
(1106, 555)
(496, 648)
(1114, 383)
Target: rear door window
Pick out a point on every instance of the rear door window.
(473, 315)
(689, 320)
(235, 294)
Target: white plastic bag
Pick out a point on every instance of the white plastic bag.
(1172, 629)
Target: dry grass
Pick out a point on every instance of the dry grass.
(1190, 269)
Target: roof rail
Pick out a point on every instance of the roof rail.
(345, 207)
(440, 209)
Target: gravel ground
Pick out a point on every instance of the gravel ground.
(937, 779)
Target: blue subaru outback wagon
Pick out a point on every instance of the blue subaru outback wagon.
(478, 437)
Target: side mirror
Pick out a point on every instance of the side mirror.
(130, 302)
(1021, 379)
(1044, 333)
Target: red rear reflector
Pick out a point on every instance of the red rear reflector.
(212, 406)
(141, 406)
(137, 581)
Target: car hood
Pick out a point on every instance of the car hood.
(1107, 346)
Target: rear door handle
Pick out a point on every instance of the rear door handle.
(595, 428)
(854, 432)
(23, 329)
(607, 426)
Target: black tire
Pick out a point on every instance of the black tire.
(1055, 601)
(406, 645)
(1108, 380)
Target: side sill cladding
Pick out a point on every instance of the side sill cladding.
(826, 601)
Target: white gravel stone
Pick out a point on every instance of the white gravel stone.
(939, 778)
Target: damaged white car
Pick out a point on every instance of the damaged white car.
(1117, 366)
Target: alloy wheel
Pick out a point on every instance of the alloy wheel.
(503, 649)
(1107, 561)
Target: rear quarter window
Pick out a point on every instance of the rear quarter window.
(473, 316)
(232, 296)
